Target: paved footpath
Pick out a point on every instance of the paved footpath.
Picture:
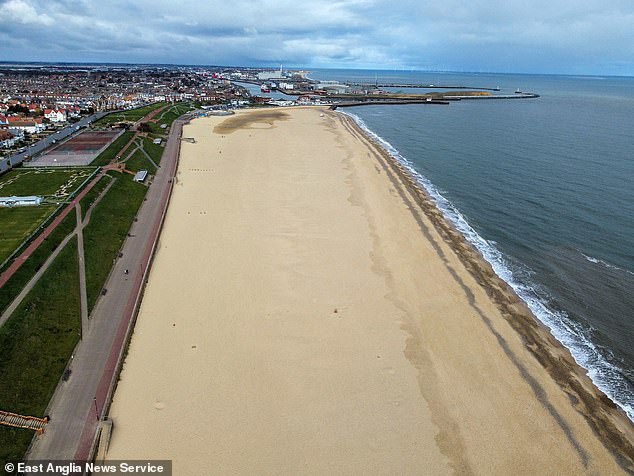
(79, 402)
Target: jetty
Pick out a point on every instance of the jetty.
(386, 102)
(417, 86)
(457, 97)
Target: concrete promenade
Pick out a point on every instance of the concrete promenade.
(80, 402)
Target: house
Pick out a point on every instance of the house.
(4, 122)
(18, 134)
(73, 111)
(32, 126)
(55, 115)
(7, 139)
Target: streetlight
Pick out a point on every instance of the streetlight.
(96, 410)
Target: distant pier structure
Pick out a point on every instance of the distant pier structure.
(416, 86)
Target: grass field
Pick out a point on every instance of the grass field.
(34, 262)
(54, 185)
(113, 149)
(131, 115)
(139, 161)
(94, 192)
(155, 151)
(109, 224)
(35, 346)
(18, 223)
(171, 113)
(46, 182)
(167, 117)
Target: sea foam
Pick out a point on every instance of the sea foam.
(605, 264)
(571, 334)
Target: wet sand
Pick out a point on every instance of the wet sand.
(309, 312)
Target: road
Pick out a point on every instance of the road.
(45, 143)
(79, 402)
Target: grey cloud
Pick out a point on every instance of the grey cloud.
(492, 35)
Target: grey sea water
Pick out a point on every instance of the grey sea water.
(544, 188)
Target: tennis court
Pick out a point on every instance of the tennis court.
(79, 150)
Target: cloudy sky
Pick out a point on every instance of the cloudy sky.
(537, 36)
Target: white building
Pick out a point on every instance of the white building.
(333, 87)
(140, 176)
(266, 75)
(9, 139)
(32, 126)
(55, 115)
(14, 201)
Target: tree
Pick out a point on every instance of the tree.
(18, 108)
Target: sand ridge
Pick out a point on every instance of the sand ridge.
(244, 121)
(304, 315)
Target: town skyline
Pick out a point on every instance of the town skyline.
(271, 66)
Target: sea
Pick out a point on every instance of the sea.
(543, 188)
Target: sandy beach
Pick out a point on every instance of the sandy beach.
(310, 312)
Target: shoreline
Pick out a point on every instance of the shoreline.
(554, 324)
(602, 413)
(270, 378)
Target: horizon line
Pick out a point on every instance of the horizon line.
(291, 68)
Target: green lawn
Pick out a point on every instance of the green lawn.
(156, 131)
(35, 346)
(34, 262)
(171, 113)
(113, 149)
(154, 150)
(131, 115)
(109, 224)
(55, 185)
(17, 224)
(139, 161)
(43, 182)
(94, 192)
(166, 117)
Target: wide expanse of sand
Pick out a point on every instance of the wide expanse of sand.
(308, 313)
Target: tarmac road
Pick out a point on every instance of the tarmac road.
(62, 134)
(79, 402)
